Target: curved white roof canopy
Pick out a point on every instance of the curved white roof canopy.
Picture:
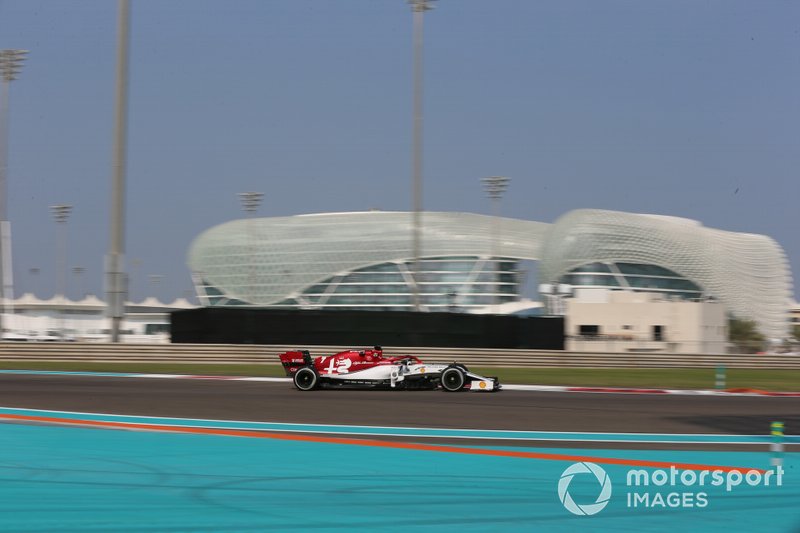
(748, 273)
(293, 253)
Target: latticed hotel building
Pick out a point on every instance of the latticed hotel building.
(364, 260)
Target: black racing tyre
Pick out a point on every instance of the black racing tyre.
(453, 379)
(306, 378)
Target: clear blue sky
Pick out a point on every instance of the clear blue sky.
(678, 107)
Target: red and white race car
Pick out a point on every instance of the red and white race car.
(369, 369)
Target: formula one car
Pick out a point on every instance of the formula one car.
(369, 369)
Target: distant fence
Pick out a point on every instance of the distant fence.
(268, 354)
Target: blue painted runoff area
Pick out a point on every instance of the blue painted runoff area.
(55, 478)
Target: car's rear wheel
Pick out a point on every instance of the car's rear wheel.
(306, 379)
(453, 379)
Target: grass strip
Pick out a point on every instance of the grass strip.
(665, 378)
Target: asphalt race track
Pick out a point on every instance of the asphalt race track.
(508, 410)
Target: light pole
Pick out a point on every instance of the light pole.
(115, 272)
(61, 214)
(10, 64)
(250, 202)
(495, 186)
(418, 7)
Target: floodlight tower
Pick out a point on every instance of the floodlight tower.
(155, 282)
(61, 214)
(10, 65)
(250, 202)
(78, 272)
(116, 279)
(495, 186)
(418, 7)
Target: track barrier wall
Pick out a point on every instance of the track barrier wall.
(356, 328)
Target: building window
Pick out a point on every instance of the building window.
(636, 277)
(588, 331)
(658, 333)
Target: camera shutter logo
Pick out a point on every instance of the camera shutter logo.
(602, 498)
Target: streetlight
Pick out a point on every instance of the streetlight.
(250, 202)
(61, 214)
(495, 186)
(418, 7)
(10, 65)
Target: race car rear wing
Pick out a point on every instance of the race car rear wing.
(294, 360)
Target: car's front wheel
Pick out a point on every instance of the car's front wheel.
(306, 379)
(453, 379)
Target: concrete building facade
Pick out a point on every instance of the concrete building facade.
(602, 320)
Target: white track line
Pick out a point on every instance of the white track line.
(530, 388)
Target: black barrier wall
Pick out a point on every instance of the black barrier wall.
(365, 328)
